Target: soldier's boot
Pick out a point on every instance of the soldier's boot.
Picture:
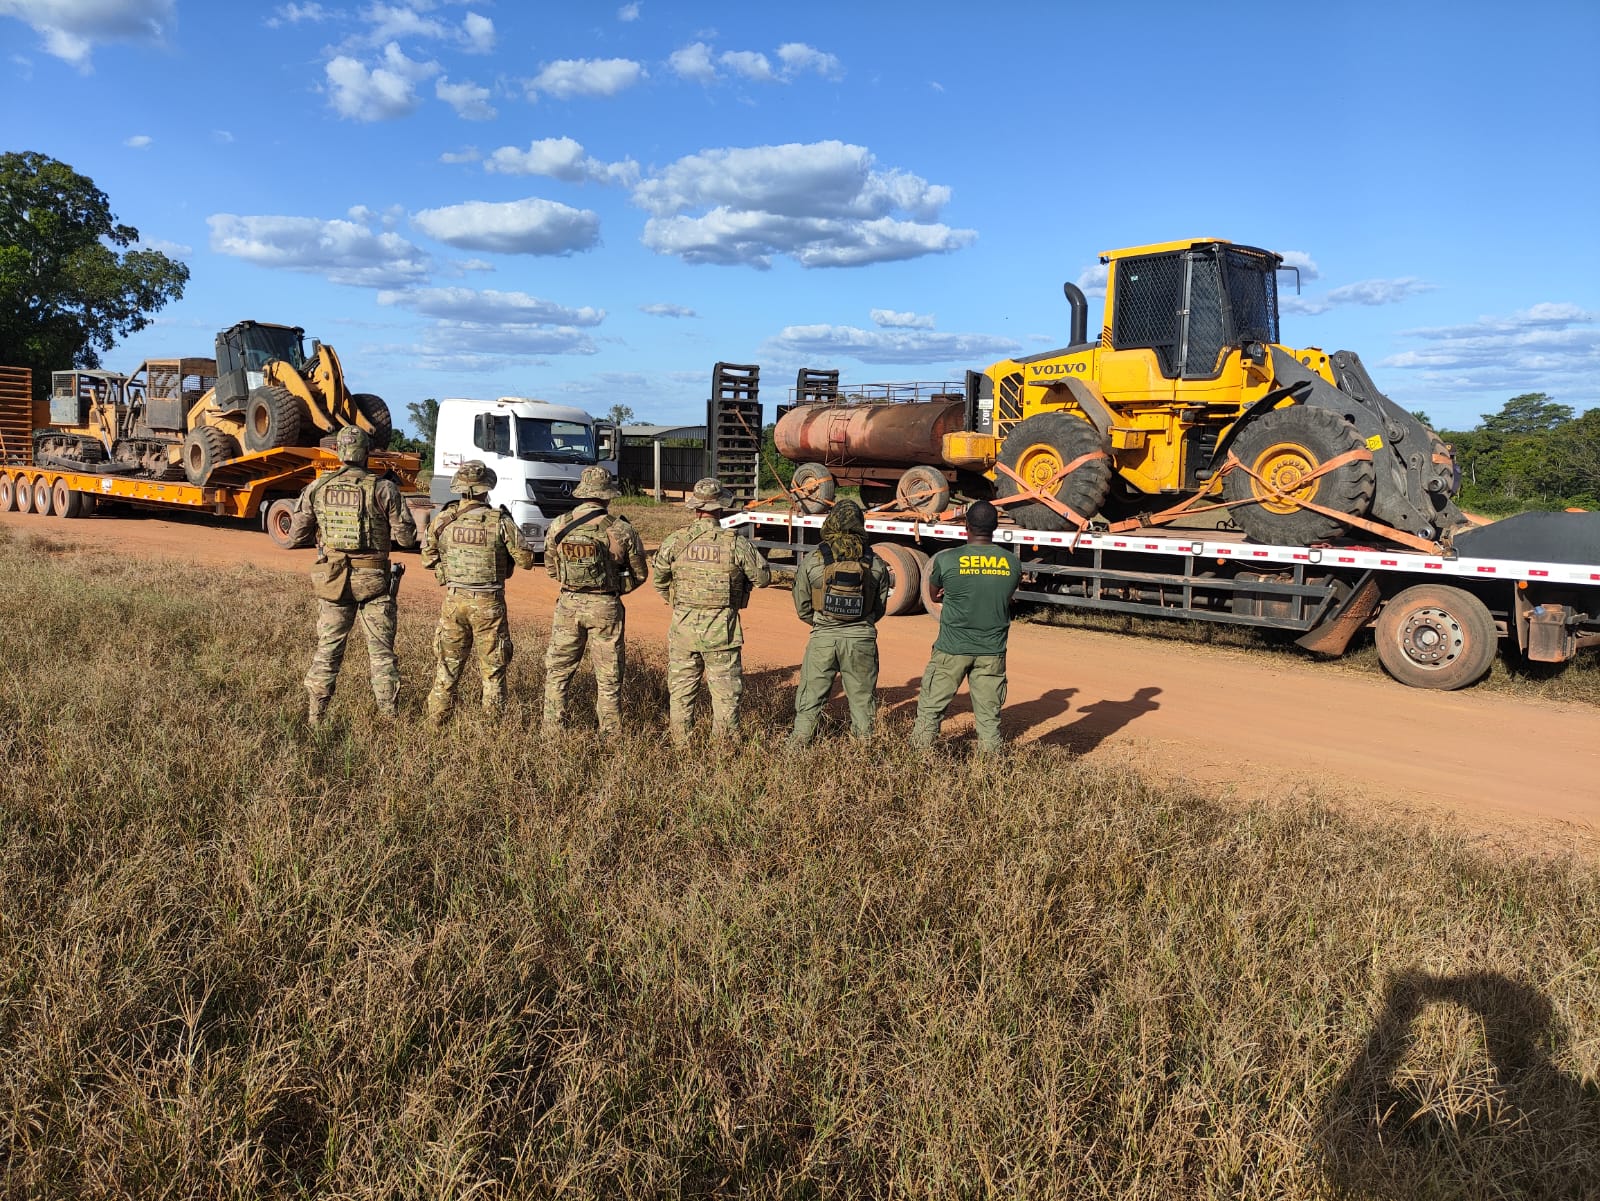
(316, 709)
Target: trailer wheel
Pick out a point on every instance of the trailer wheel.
(8, 493)
(905, 578)
(874, 495)
(1433, 636)
(923, 491)
(24, 493)
(1037, 450)
(203, 449)
(1283, 447)
(814, 487)
(375, 410)
(280, 513)
(42, 492)
(924, 584)
(273, 417)
(67, 502)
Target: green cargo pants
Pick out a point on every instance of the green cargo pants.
(851, 652)
(986, 682)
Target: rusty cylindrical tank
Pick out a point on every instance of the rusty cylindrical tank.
(869, 435)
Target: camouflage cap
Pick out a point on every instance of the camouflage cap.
(708, 496)
(596, 484)
(473, 476)
(352, 444)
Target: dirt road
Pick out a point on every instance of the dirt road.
(1249, 726)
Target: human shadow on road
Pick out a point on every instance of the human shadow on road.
(1391, 1127)
(1098, 721)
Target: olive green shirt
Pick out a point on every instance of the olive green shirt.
(979, 581)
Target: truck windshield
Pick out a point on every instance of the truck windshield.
(547, 441)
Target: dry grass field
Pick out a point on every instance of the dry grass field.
(238, 959)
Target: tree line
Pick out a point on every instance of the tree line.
(1532, 454)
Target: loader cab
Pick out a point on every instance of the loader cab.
(243, 352)
(1190, 302)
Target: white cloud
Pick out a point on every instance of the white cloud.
(1302, 260)
(1551, 347)
(221, 135)
(628, 12)
(467, 154)
(797, 57)
(470, 101)
(883, 346)
(293, 14)
(570, 77)
(379, 93)
(749, 63)
(822, 204)
(560, 158)
(139, 141)
(530, 226)
(173, 250)
(693, 62)
(1092, 280)
(489, 307)
(72, 28)
(1370, 292)
(392, 21)
(889, 319)
(344, 252)
(667, 310)
(478, 33)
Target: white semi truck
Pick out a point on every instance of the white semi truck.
(536, 450)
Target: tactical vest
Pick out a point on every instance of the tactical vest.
(471, 550)
(344, 506)
(702, 574)
(843, 589)
(585, 561)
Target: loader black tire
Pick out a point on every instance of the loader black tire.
(1282, 447)
(375, 410)
(273, 417)
(203, 449)
(1036, 450)
(1435, 636)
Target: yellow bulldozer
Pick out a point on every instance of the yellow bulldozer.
(1185, 391)
(182, 418)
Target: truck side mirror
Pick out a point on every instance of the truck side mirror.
(605, 442)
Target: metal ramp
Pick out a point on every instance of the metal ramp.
(16, 416)
(733, 429)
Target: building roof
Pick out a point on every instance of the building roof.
(656, 433)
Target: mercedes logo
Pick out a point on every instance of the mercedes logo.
(566, 487)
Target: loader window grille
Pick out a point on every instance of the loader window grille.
(1252, 283)
(1008, 402)
(1205, 330)
(1149, 294)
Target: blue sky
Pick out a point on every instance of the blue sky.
(594, 202)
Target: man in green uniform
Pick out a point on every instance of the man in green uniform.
(354, 516)
(706, 572)
(472, 549)
(840, 591)
(598, 558)
(976, 583)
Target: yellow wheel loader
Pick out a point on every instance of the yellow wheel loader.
(1185, 391)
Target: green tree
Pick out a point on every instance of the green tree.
(425, 421)
(1529, 413)
(69, 287)
(620, 414)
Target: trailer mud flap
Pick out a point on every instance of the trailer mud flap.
(1333, 635)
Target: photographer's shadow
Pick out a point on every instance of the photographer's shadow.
(1530, 1130)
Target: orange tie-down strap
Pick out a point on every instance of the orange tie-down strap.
(1188, 508)
(1028, 492)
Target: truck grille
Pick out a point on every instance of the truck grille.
(554, 497)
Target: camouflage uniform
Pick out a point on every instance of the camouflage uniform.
(706, 572)
(472, 548)
(354, 516)
(598, 558)
(841, 591)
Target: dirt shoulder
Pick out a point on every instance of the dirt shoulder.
(1243, 725)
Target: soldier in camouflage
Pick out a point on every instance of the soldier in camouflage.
(841, 591)
(472, 548)
(706, 572)
(354, 516)
(597, 558)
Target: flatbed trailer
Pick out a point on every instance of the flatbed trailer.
(260, 486)
(1439, 619)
